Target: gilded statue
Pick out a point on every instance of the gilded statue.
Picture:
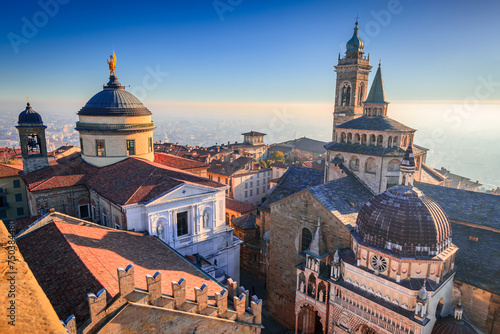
(112, 64)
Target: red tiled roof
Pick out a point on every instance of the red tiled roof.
(71, 260)
(178, 162)
(8, 171)
(7, 152)
(126, 182)
(22, 223)
(234, 205)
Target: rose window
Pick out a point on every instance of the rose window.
(379, 263)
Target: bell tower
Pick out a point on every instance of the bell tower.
(32, 139)
(352, 82)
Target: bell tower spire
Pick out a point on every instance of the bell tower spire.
(407, 167)
(376, 104)
(352, 81)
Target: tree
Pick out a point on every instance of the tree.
(277, 156)
(263, 163)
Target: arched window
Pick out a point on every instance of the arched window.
(361, 92)
(232, 217)
(344, 137)
(357, 139)
(363, 139)
(349, 137)
(389, 142)
(393, 165)
(354, 163)
(346, 95)
(395, 142)
(372, 140)
(33, 144)
(370, 166)
(227, 218)
(404, 141)
(322, 292)
(380, 140)
(306, 239)
(301, 282)
(311, 285)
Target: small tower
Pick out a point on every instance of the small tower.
(352, 81)
(317, 250)
(375, 104)
(32, 139)
(335, 274)
(421, 306)
(407, 167)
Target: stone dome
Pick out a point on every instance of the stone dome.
(29, 116)
(114, 100)
(450, 325)
(405, 221)
(355, 44)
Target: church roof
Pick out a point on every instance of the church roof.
(377, 92)
(450, 325)
(126, 182)
(114, 100)
(246, 222)
(29, 116)
(366, 150)
(307, 144)
(253, 134)
(355, 44)
(84, 258)
(378, 123)
(294, 180)
(464, 205)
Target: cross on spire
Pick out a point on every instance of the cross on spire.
(357, 17)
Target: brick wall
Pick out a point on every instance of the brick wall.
(288, 217)
(65, 200)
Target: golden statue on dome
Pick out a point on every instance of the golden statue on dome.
(112, 63)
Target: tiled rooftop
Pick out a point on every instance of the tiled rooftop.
(71, 260)
(294, 180)
(464, 205)
(229, 168)
(178, 162)
(246, 222)
(9, 171)
(126, 182)
(234, 205)
(378, 123)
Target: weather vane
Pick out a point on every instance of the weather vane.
(28, 99)
(112, 64)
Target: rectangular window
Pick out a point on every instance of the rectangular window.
(251, 192)
(17, 184)
(84, 211)
(104, 220)
(150, 144)
(251, 184)
(225, 180)
(20, 211)
(19, 197)
(264, 189)
(131, 147)
(182, 223)
(257, 191)
(218, 178)
(246, 193)
(246, 185)
(257, 183)
(100, 148)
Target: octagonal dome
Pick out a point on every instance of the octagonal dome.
(114, 100)
(405, 221)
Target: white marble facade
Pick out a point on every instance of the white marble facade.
(190, 218)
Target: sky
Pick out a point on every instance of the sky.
(245, 51)
(267, 60)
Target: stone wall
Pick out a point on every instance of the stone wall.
(288, 217)
(65, 200)
(481, 308)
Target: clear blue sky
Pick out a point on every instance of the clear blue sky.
(249, 51)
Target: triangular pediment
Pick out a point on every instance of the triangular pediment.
(184, 191)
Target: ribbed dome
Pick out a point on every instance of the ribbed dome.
(114, 100)
(405, 221)
(450, 325)
(29, 116)
(355, 44)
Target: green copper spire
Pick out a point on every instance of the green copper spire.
(377, 93)
(355, 44)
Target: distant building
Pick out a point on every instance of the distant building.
(158, 291)
(458, 182)
(235, 208)
(248, 182)
(253, 144)
(186, 165)
(13, 200)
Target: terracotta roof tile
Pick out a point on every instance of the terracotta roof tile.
(71, 260)
(234, 205)
(178, 162)
(8, 171)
